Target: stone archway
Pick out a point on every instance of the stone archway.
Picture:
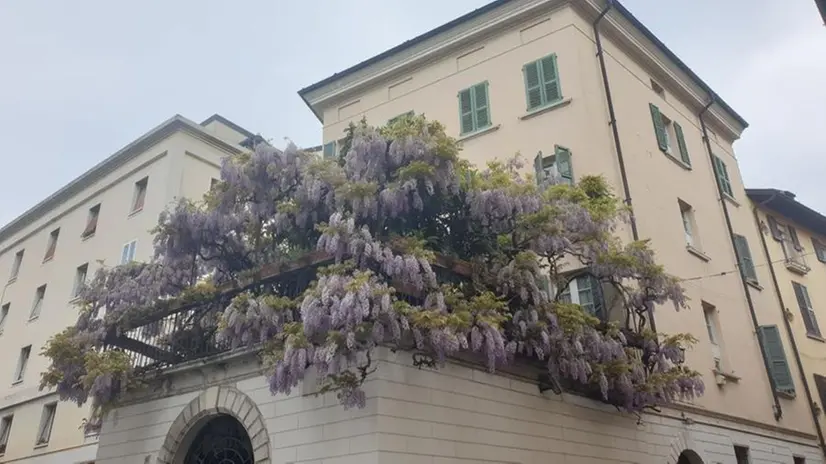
(689, 457)
(203, 410)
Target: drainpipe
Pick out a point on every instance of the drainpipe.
(778, 410)
(613, 123)
(788, 326)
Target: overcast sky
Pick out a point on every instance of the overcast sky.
(81, 79)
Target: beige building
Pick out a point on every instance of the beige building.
(101, 218)
(793, 248)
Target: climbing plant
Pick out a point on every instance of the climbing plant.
(390, 212)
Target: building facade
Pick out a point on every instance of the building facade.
(582, 87)
(102, 218)
(793, 245)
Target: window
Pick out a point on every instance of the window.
(213, 183)
(52, 246)
(329, 150)
(542, 82)
(806, 309)
(657, 88)
(474, 109)
(741, 454)
(689, 224)
(792, 248)
(4, 314)
(820, 250)
(46, 422)
(39, 295)
(772, 346)
(712, 327)
(746, 262)
(80, 279)
(799, 460)
(15, 267)
(127, 254)
(400, 117)
(140, 194)
(585, 291)
(554, 169)
(722, 176)
(91, 222)
(22, 362)
(5, 431)
(667, 133)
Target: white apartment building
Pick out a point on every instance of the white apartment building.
(101, 218)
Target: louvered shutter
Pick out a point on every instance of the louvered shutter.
(599, 298)
(659, 127)
(563, 164)
(681, 144)
(550, 80)
(533, 86)
(820, 250)
(803, 301)
(466, 110)
(776, 355)
(795, 238)
(774, 228)
(481, 109)
(537, 167)
(744, 256)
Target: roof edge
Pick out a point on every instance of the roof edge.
(785, 203)
(228, 123)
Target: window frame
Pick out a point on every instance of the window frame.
(37, 304)
(689, 224)
(22, 364)
(4, 315)
(51, 246)
(140, 190)
(46, 427)
(17, 264)
(573, 294)
(6, 423)
(126, 252)
(472, 92)
(543, 83)
(78, 284)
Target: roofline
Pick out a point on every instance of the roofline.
(492, 6)
(230, 124)
(821, 6)
(805, 215)
(133, 149)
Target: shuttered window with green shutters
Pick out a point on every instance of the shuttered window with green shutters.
(659, 127)
(806, 309)
(778, 364)
(820, 250)
(542, 82)
(678, 131)
(474, 108)
(745, 259)
(722, 176)
(329, 150)
(557, 166)
(586, 291)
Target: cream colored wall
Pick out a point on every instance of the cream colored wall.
(173, 172)
(656, 182)
(812, 349)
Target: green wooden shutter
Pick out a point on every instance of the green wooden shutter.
(776, 355)
(820, 250)
(803, 301)
(466, 110)
(722, 175)
(563, 164)
(795, 238)
(533, 86)
(599, 298)
(681, 144)
(659, 127)
(744, 255)
(774, 228)
(537, 167)
(550, 80)
(481, 108)
(329, 150)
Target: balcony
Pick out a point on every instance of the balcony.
(795, 258)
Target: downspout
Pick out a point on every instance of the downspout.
(788, 326)
(612, 121)
(778, 410)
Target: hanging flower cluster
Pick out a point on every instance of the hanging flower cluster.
(399, 200)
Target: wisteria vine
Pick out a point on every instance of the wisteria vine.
(392, 213)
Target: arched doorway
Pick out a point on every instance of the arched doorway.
(689, 457)
(222, 440)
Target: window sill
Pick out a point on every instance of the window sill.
(546, 108)
(754, 284)
(32, 319)
(16, 382)
(785, 394)
(74, 299)
(41, 445)
(696, 252)
(731, 199)
(12, 280)
(816, 337)
(135, 212)
(677, 161)
(729, 376)
(477, 133)
(83, 238)
(46, 260)
(797, 268)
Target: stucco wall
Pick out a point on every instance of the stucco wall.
(455, 415)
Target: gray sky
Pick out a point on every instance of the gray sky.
(79, 80)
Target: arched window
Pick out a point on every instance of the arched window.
(222, 440)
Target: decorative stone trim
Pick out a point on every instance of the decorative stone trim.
(211, 402)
